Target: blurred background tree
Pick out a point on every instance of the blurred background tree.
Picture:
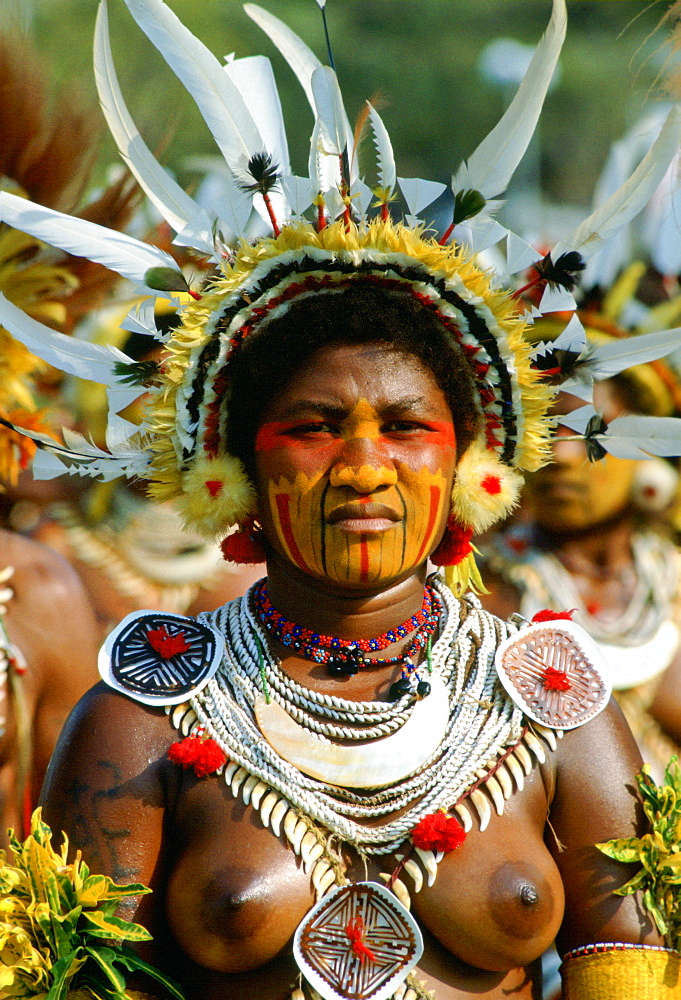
(422, 56)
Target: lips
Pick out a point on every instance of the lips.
(363, 517)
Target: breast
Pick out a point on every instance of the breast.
(235, 893)
(498, 900)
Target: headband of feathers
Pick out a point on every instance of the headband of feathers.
(275, 235)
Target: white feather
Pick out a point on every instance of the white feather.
(418, 193)
(628, 200)
(491, 166)
(255, 80)
(634, 437)
(94, 362)
(83, 458)
(299, 193)
(519, 254)
(297, 54)
(141, 319)
(608, 359)
(302, 61)
(329, 110)
(176, 207)
(216, 96)
(124, 254)
(387, 175)
(325, 173)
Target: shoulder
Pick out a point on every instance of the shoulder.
(38, 570)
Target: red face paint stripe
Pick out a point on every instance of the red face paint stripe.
(435, 493)
(283, 501)
(274, 435)
(363, 558)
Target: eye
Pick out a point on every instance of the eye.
(313, 428)
(404, 427)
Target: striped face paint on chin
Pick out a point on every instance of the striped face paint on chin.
(319, 525)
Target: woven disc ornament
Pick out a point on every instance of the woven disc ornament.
(555, 673)
(358, 943)
(160, 658)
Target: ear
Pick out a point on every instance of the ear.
(216, 494)
(485, 489)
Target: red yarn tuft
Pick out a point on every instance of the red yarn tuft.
(244, 546)
(491, 484)
(555, 680)
(214, 486)
(205, 756)
(438, 832)
(167, 645)
(454, 546)
(547, 615)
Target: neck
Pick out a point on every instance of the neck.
(605, 546)
(334, 610)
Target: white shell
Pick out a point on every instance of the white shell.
(257, 794)
(504, 779)
(493, 788)
(481, 803)
(516, 770)
(523, 755)
(247, 790)
(382, 762)
(414, 870)
(464, 816)
(547, 734)
(238, 780)
(267, 806)
(427, 859)
(277, 816)
(535, 746)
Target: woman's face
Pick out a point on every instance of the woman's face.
(355, 461)
(573, 494)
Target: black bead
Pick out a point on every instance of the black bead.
(335, 668)
(399, 688)
(423, 689)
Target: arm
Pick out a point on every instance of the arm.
(593, 802)
(107, 787)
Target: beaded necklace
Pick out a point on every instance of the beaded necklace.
(346, 656)
(463, 657)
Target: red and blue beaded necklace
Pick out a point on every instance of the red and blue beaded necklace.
(344, 657)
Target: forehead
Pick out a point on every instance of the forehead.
(339, 375)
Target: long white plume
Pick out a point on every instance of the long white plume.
(493, 163)
(127, 256)
(329, 110)
(177, 208)
(216, 96)
(628, 200)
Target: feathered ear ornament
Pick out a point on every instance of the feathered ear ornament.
(485, 491)
(456, 553)
(216, 493)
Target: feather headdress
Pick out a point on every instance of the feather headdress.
(274, 235)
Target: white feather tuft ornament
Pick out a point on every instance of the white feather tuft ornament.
(485, 490)
(217, 494)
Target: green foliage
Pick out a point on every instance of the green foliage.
(657, 852)
(58, 931)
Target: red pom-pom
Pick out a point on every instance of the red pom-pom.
(438, 832)
(454, 546)
(245, 545)
(214, 486)
(555, 680)
(491, 484)
(547, 615)
(205, 756)
(167, 645)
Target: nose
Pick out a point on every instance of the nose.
(567, 452)
(363, 478)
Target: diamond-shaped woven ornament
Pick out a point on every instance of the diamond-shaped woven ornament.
(358, 943)
(555, 673)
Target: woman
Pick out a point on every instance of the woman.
(591, 538)
(355, 397)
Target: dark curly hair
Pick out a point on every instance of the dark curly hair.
(359, 313)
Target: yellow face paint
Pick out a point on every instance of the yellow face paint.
(319, 525)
